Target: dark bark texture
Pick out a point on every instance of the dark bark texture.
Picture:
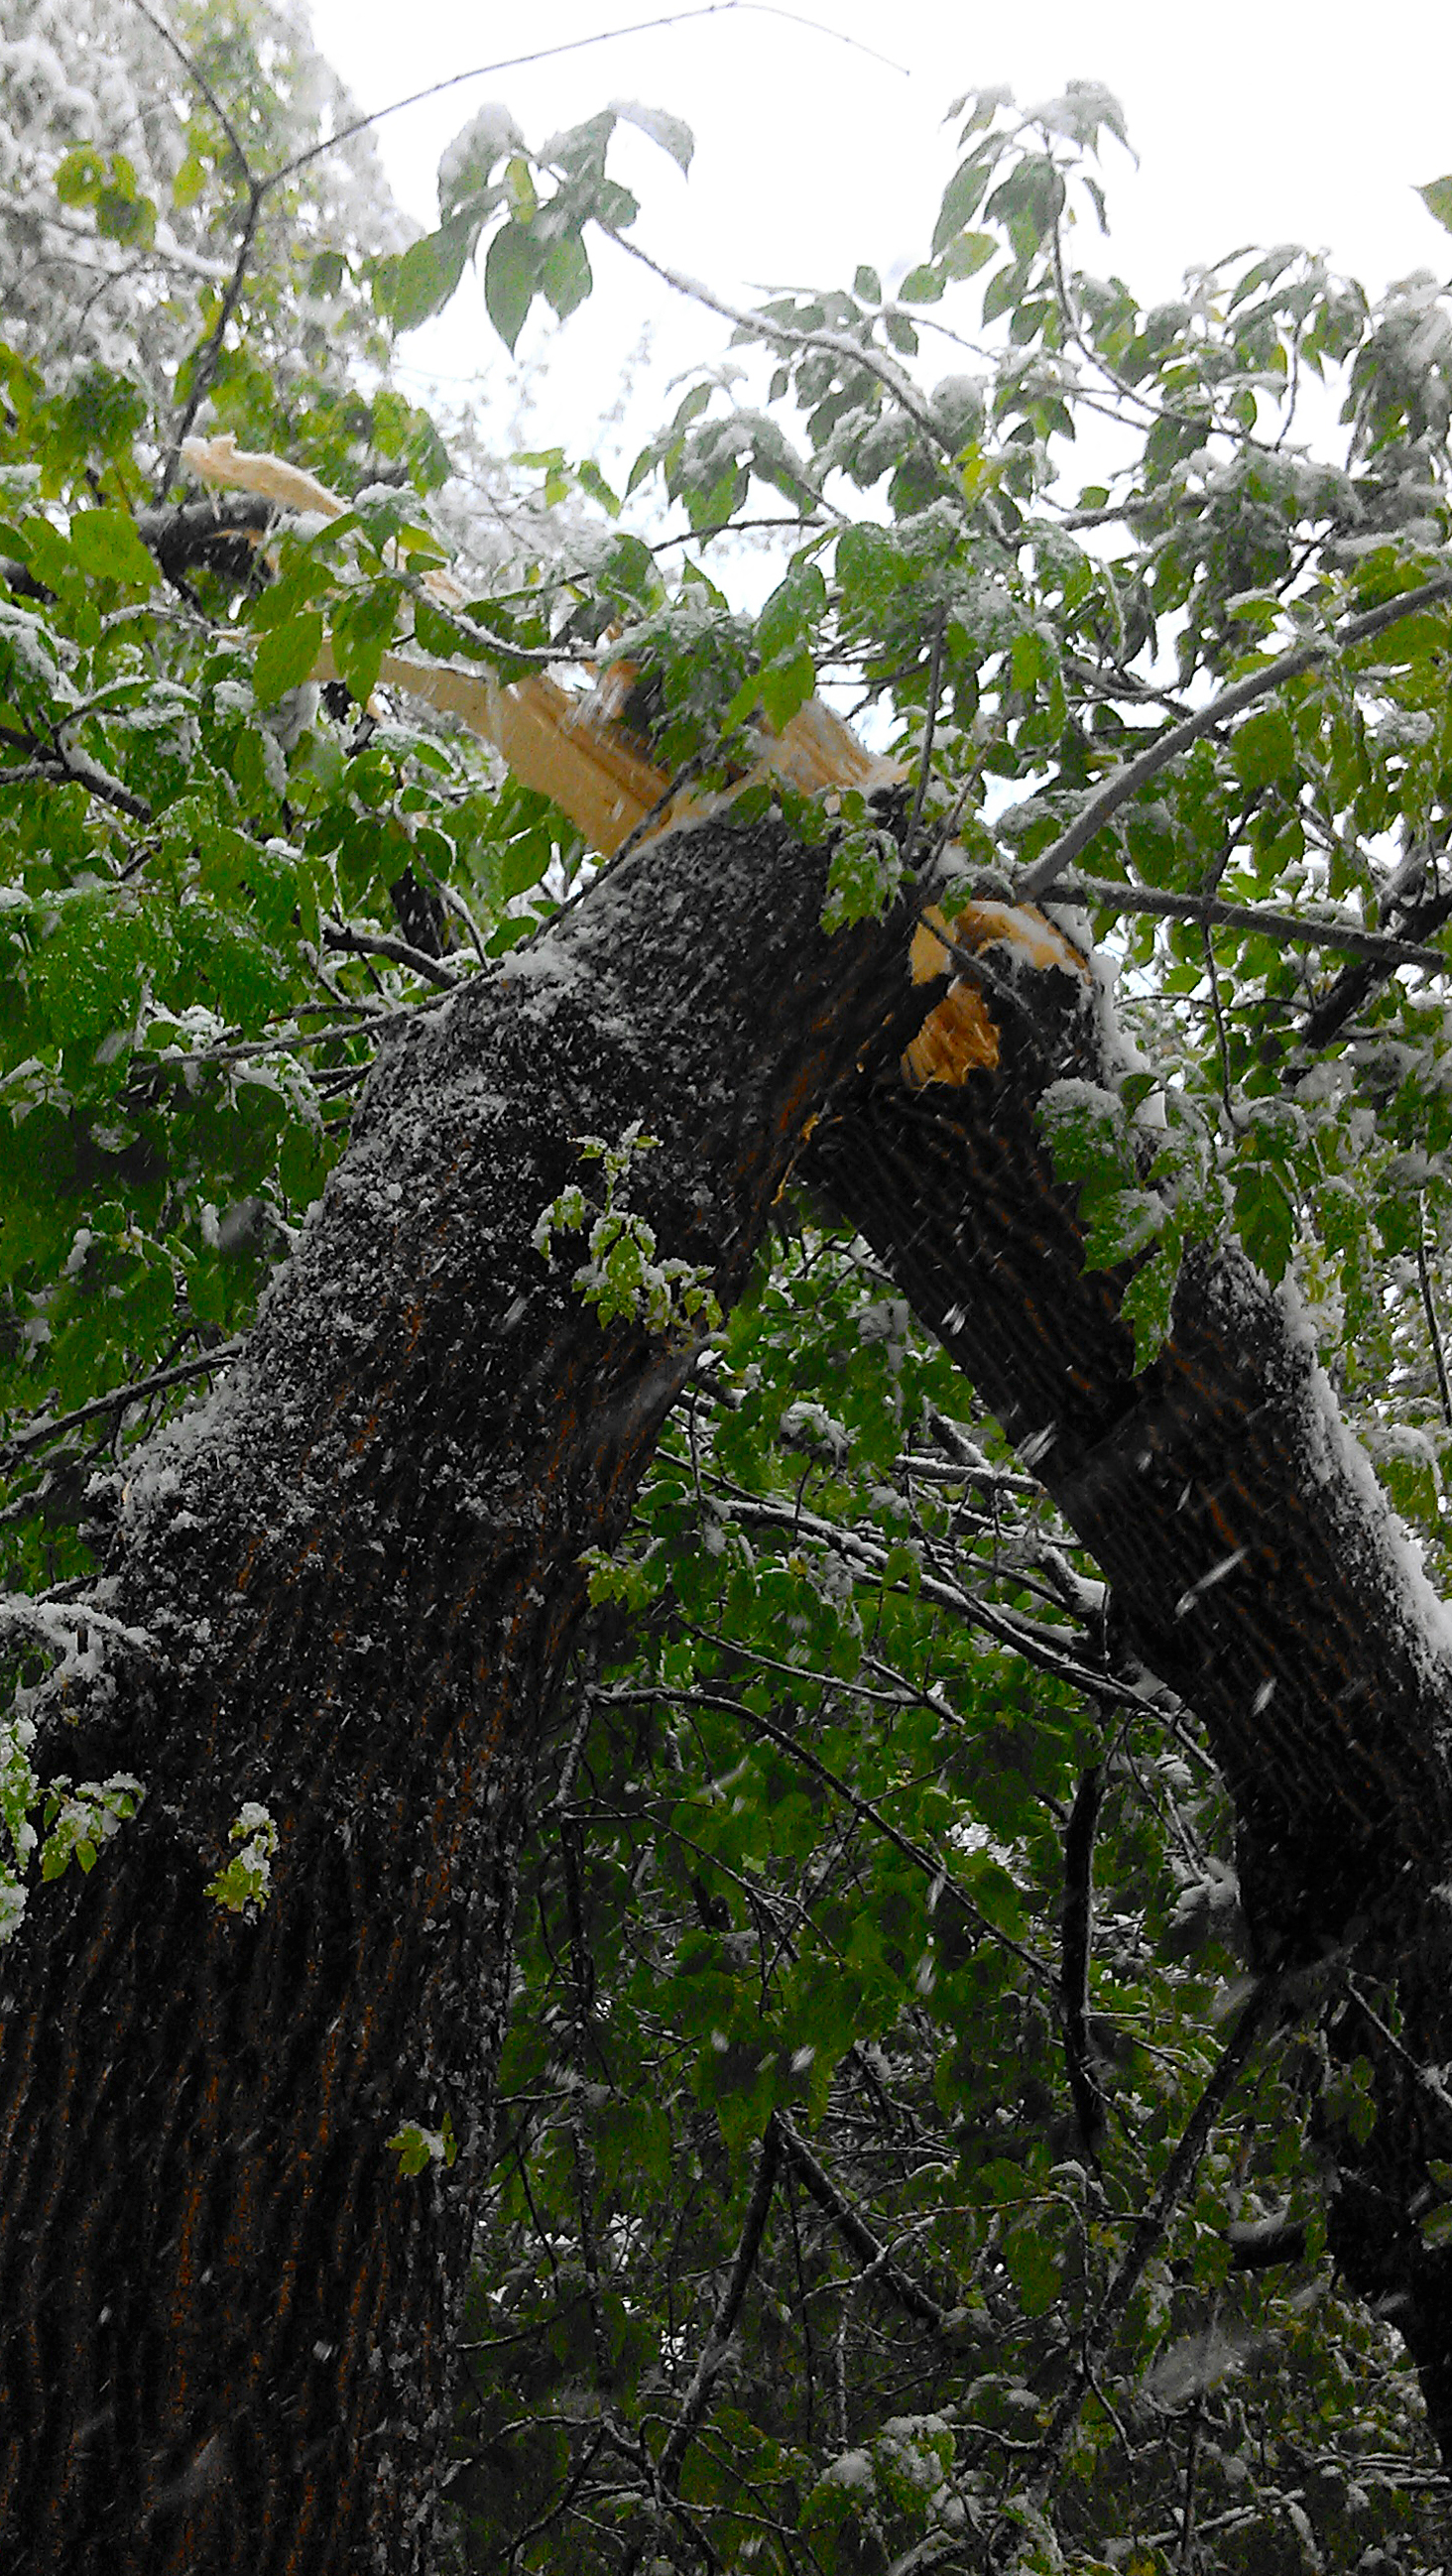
(1255, 1564)
(227, 2316)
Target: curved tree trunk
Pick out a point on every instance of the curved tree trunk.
(228, 2318)
(1250, 1552)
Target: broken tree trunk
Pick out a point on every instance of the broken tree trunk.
(349, 1582)
(1250, 1552)
(228, 2316)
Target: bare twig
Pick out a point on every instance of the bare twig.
(579, 45)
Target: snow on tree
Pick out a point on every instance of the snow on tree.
(727, 1793)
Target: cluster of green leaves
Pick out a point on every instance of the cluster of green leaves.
(623, 1278)
(200, 853)
(975, 597)
(823, 1750)
(544, 202)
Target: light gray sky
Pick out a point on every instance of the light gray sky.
(1254, 120)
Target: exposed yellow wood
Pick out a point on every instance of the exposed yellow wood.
(565, 746)
(960, 1037)
(985, 925)
(570, 748)
(222, 462)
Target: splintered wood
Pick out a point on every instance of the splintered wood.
(568, 747)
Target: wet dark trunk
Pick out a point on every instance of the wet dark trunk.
(227, 2315)
(1253, 1563)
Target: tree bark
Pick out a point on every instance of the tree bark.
(228, 2317)
(1255, 1562)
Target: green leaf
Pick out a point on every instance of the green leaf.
(511, 274)
(565, 277)
(1148, 1301)
(1033, 2269)
(1123, 1223)
(1265, 1219)
(79, 175)
(1436, 196)
(423, 278)
(1003, 290)
(670, 132)
(1263, 749)
(961, 200)
(786, 687)
(105, 543)
(189, 182)
(966, 253)
(286, 656)
(362, 630)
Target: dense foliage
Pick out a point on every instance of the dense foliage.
(836, 2196)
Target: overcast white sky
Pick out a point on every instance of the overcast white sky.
(1254, 120)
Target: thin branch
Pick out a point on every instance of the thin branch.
(855, 2232)
(205, 366)
(44, 1434)
(579, 45)
(198, 77)
(1031, 1638)
(1356, 984)
(784, 335)
(364, 943)
(1174, 2182)
(290, 1042)
(728, 2309)
(1076, 1944)
(1127, 782)
(1434, 1334)
(63, 1628)
(1259, 918)
(657, 812)
(1222, 1038)
(59, 765)
(928, 1862)
(925, 763)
